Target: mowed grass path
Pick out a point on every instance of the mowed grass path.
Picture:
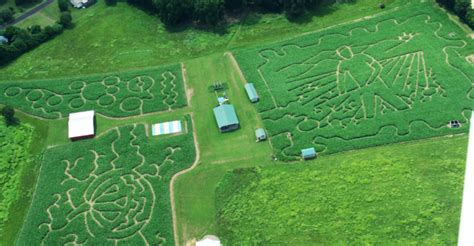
(194, 191)
(108, 39)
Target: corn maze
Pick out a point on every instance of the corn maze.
(396, 77)
(120, 95)
(109, 191)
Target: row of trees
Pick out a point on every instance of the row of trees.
(462, 8)
(23, 40)
(210, 12)
(6, 15)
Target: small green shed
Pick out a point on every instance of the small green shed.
(226, 118)
(251, 92)
(308, 153)
(260, 134)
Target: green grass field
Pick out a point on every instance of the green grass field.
(405, 194)
(113, 189)
(396, 77)
(115, 95)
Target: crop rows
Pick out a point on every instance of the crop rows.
(108, 191)
(396, 77)
(123, 94)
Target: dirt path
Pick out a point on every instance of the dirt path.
(173, 179)
(236, 66)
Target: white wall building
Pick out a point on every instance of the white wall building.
(81, 125)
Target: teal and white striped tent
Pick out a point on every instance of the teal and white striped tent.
(166, 128)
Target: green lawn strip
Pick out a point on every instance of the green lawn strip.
(400, 194)
(115, 95)
(111, 189)
(395, 77)
(217, 149)
(101, 43)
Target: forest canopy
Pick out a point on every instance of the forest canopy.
(210, 12)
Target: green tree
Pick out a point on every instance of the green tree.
(111, 2)
(63, 5)
(66, 19)
(9, 114)
(209, 11)
(6, 15)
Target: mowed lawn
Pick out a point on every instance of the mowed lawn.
(403, 194)
(108, 39)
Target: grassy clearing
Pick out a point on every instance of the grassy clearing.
(101, 43)
(46, 17)
(194, 191)
(396, 77)
(401, 194)
(115, 95)
(112, 189)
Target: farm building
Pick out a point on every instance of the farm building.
(260, 134)
(81, 125)
(3, 40)
(226, 118)
(251, 92)
(170, 127)
(209, 240)
(81, 3)
(308, 153)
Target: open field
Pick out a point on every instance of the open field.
(396, 77)
(114, 95)
(101, 43)
(402, 194)
(112, 189)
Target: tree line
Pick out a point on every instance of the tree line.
(211, 12)
(22, 40)
(462, 8)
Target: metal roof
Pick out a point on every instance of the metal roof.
(309, 152)
(251, 92)
(260, 133)
(169, 127)
(225, 115)
(81, 124)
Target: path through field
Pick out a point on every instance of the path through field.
(173, 179)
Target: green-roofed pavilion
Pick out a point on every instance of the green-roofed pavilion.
(226, 118)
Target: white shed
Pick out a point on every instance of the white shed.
(81, 125)
(209, 240)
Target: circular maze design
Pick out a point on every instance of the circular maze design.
(114, 96)
(13, 91)
(107, 194)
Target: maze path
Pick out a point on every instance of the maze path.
(116, 96)
(385, 80)
(112, 190)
